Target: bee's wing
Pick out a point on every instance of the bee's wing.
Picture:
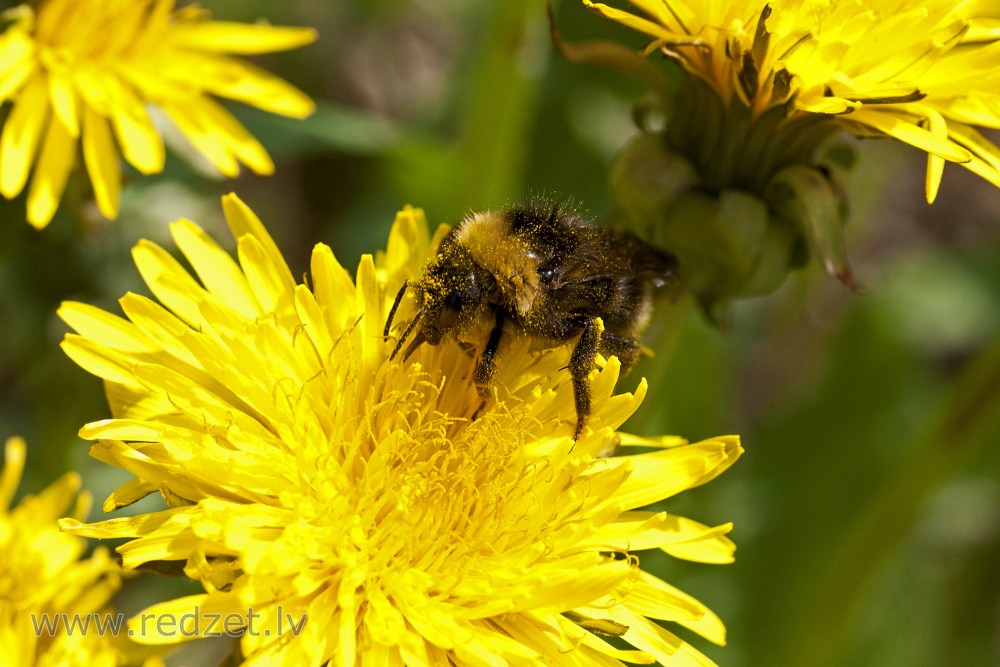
(617, 253)
(642, 259)
(605, 268)
(583, 288)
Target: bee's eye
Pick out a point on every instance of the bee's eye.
(546, 275)
(452, 306)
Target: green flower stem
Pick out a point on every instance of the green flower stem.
(672, 320)
(972, 412)
(502, 104)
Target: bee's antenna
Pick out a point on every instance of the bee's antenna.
(395, 305)
(406, 334)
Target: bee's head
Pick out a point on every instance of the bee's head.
(453, 293)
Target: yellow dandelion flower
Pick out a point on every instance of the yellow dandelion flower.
(745, 178)
(921, 72)
(376, 505)
(88, 71)
(44, 585)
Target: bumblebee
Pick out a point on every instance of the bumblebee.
(540, 271)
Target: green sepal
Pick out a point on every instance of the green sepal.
(646, 179)
(720, 242)
(776, 258)
(808, 198)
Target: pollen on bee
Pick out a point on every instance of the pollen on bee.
(488, 239)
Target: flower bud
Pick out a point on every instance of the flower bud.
(740, 199)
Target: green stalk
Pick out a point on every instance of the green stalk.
(971, 412)
(671, 324)
(493, 149)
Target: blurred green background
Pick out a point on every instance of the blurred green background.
(867, 506)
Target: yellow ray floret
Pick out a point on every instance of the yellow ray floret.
(310, 477)
(88, 73)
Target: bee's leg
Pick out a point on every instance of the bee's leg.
(626, 349)
(486, 368)
(581, 362)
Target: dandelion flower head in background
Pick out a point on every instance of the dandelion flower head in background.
(308, 476)
(750, 173)
(90, 72)
(924, 73)
(43, 576)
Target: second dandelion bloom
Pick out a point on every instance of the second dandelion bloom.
(88, 73)
(921, 72)
(746, 180)
(309, 476)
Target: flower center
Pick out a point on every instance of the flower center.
(412, 486)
